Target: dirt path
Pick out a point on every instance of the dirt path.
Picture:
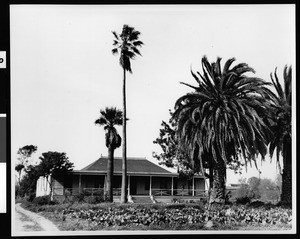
(29, 221)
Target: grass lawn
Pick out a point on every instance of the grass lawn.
(114, 217)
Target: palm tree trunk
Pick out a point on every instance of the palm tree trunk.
(110, 173)
(211, 178)
(218, 192)
(124, 159)
(20, 177)
(286, 192)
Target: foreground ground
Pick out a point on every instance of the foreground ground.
(113, 217)
(29, 221)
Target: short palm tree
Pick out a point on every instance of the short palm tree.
(109, 118)
(126, 45)
(224, 117)
(282, 129)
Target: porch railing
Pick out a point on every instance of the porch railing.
(179, 192)
(117, 192)
(86, 191)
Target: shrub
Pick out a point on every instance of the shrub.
(80, 197)
(256, 204)
(179, 217)
(204, 200)
(176, 206)
(86, 196)
(44, 200)
(243, 200)
(242, 191)
(177, 200)
(30, 196)
(228, 196)
(96, 199)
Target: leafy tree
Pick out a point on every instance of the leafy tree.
(278, 181)
(27, 185)
(264, 190)
(172, 155)
(268, 190)
(175, 156)
(225, 116)
(19, 167)
(254, 183)
(24, 155)
(243, 194)
(109, 118)
(54, 164)
(282, 129)
(126, 45)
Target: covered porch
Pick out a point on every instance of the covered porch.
(138, 185)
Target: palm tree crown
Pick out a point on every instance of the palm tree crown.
(224, 115)
(109, 118)
(126, 45)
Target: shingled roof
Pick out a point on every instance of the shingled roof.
(135, 166)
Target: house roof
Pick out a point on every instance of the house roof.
(135, 166)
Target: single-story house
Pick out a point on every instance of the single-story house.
(145, 178)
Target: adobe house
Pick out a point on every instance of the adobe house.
(144, 179)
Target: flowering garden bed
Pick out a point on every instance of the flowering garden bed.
(166, 217)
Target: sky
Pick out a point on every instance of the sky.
(63, 71)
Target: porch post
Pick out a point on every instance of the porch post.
(172, 189)
(193, 186)
(79, 183)
(150, 187)
(128, 185)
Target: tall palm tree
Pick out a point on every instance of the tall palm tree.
(109, 118)
(126, 45)
(224, 117)
(282, 131)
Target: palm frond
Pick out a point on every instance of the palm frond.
(191, 86)
(101, 121)
(277, 85)
(115, 42)
(287, 76)
(115, 34)
(134, 36)
(242, 68)
(227, 65)
(135, 50)
(138, 43)
(114, 51)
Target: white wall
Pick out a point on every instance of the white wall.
(42, 187)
